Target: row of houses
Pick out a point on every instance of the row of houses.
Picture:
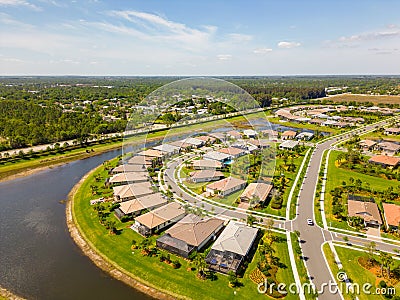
(386, 147)
(368, 210)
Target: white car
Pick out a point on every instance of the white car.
(310, 222)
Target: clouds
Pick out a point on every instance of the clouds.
(288, 45)
(224, 57)
(262, 50)
(16, 3)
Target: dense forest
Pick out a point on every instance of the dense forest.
(38, 110)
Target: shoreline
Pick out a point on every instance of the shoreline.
(90, 251)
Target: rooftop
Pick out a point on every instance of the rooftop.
(161, 215)
(385, 160)
(365, 209)
(193, 230)
(236, 238)
(392, 214)
(134, 189)
(139, 204)
(206, 174)
(257, 189)
(206, 163)
(226, 184)
(232, 151)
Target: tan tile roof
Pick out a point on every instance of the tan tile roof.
(139, 204)
(129, 177)
(206, 138)
(139, 160)
(367, 210)
(389, 146)
(226, 184)
(289, 133)
(231, 151)
(129, 168)
(259, 189)
(385, 160)
(134, 189)
(206, 174)
(392, 213)
(152, 153)
(193, 230)
(206, 163)
(161, 215)
(367, 143)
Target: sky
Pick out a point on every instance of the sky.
(197, 38)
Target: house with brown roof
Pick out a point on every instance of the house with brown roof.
(137, 206)
(131, 191)
(256, 192)
(158, 219)
(392, 131)
(226, 186)
(259, 143)
(288, 135)
(152, 153)
(206, 164)
(206, 138)
(234, 134)
(233, 152)
(367, 210)
(192, 233)
(126, 178)
(385, 161)
(388, 148)
(128, 168)
(140, 160)
(391, 213)
(367, 144)
(205, 176)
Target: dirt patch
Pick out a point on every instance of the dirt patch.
(100, 261)
(376, 99)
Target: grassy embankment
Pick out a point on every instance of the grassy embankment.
(180, 282)
(27, 164)
(356, 272)
(376, 99)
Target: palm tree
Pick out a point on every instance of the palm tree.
(200, 264)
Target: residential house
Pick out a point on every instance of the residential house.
(128, 168)
(206, 164)
(392, 131)
(288, 145)
(272, 134)
(130, 191)
(250, 133)
(305, 136)
(365, 209)
(158, 219)
(367, 145)
(125, 178)
(385, 161)
(195, 142)
(218, 135)
(388, 148)
(255, 193)
(392, 215)
(182, 145)
(206, 139)
(167, 149)
(144, 161)
(192, 233)
(259, 143)
(232, 248)
(137, 206)
(234, 134)
(218, 156)
(205, 176)
(288, 135)
(233, 152)
(226, 186)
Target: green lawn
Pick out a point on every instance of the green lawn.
(335, 178)
(117, 248)
(381, 136)
(305, 126)
(355, 272)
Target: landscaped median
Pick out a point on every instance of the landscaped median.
(123, 254)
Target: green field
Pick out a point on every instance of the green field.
(355, 272)
(335, 178)
(149, 270)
